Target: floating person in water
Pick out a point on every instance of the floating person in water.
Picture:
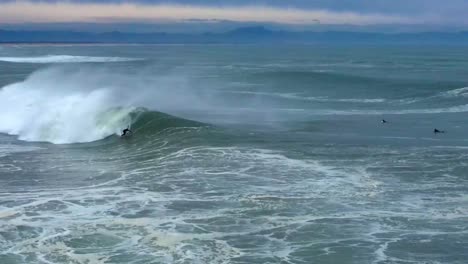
(126, 132)
(438, 131)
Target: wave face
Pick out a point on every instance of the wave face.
(64, 59)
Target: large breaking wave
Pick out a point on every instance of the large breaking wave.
(69, 105)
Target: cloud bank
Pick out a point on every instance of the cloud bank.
(64, 12)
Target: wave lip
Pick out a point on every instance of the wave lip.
(64, 59)
(452, 109)
(456, 92)
(295, 96)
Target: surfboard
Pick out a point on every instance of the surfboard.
(126, 135)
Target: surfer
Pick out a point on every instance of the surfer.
(384, 121)
(438, 131)
(126, 131)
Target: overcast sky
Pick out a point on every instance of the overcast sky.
(375, 14)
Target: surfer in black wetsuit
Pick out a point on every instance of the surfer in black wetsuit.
(384, 121)
(438, 131)
(126, 132)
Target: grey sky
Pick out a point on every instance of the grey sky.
(423, 14)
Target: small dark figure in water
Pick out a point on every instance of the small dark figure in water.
(384, 121)
(126, 132)
(438, 131)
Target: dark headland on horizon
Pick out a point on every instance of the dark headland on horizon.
(244, 35)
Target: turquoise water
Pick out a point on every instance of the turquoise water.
(240, 154)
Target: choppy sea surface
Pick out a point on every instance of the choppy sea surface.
(239, 154)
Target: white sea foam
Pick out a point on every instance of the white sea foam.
(97, 223)
(64, 59)
(111, 223)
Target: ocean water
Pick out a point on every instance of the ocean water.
(239, 154)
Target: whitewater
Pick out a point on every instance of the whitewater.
(239, 154)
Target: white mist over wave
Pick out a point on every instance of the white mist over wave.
(64, 59)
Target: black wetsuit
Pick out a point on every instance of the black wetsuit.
(126, 131)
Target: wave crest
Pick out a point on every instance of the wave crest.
(456, 92)
(64, 59)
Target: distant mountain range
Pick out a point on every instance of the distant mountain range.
(244, 35)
